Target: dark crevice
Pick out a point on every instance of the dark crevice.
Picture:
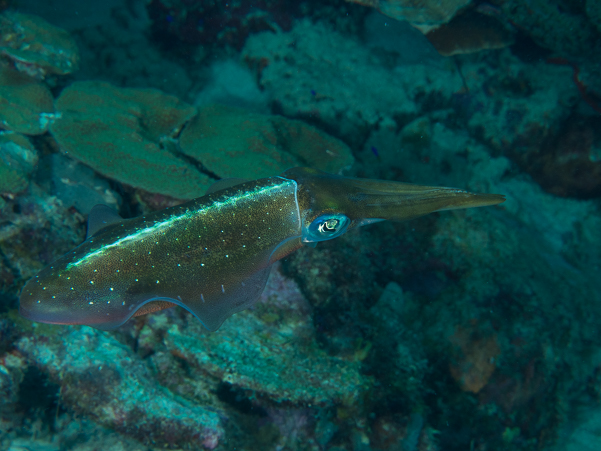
(236, 398)
(38, 396)
(176, 150)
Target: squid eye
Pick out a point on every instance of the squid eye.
(326, 227)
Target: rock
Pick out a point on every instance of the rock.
(268, 351)
(101, 378)
(317, 74)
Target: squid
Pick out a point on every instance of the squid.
(212, 255)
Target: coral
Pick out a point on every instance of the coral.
(122, 133)
(35, 46)
(422, 14)
(261, 145)
(269, 351)
(515, 107)
(17, 161)
(302, 72)
(98, 376)
(26, 106)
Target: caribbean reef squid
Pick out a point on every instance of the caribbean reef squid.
(212, 255)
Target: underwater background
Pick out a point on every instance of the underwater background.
(464, 330)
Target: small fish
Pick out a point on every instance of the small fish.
(212, 255)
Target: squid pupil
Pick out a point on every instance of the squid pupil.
(329, 225)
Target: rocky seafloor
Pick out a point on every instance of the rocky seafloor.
(470, 329)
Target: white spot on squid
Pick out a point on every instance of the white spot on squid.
(91, 303)
(112, 289)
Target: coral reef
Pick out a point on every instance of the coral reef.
(37, 47)
(132, 135)
(122, 133)
(465, 330)
(291, 67)
(270, 353)
(261, 145)
(97, 376)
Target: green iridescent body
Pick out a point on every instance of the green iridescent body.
(212, 255)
